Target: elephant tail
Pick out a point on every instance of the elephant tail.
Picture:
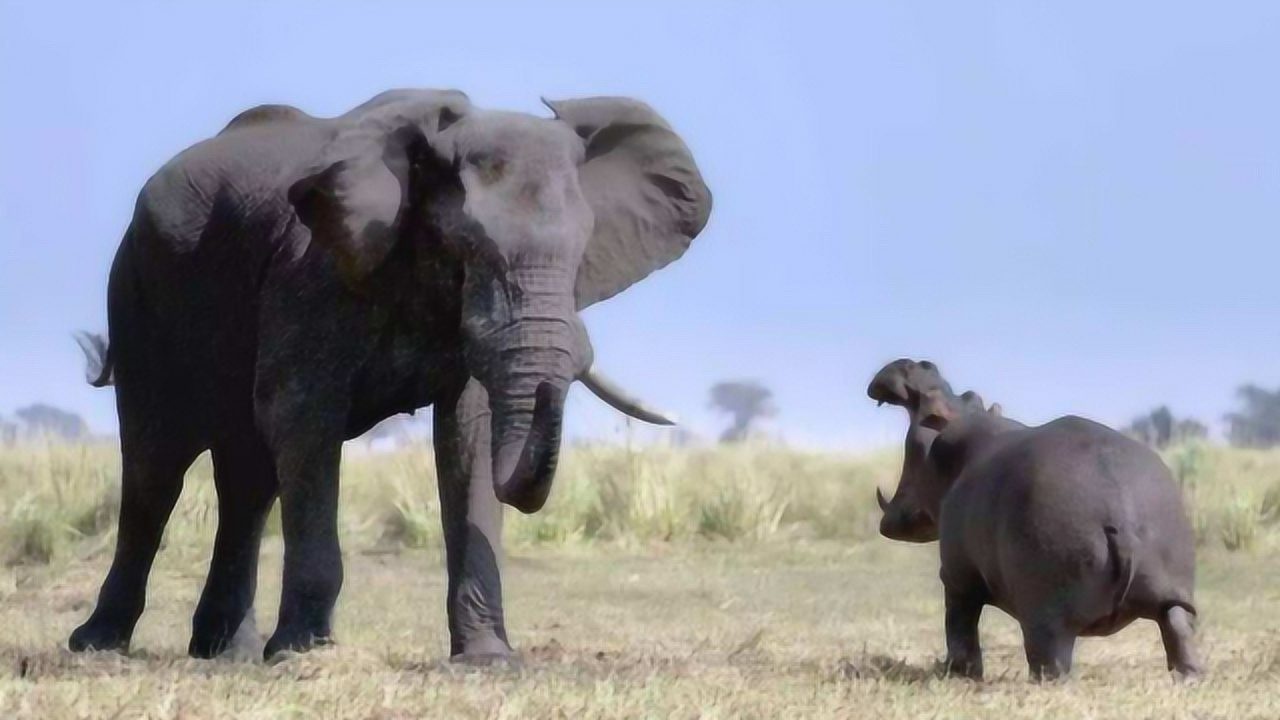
(99, 362)
(1120, 551)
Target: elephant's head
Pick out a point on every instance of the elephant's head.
(911, 515)
(547, 215)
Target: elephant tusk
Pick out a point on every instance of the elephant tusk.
(619, 400)
(884, 504)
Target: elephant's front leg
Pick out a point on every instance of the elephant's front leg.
(472, 518)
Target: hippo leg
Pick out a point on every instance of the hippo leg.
(964, 652)
(1049, 647)
(1176, 630)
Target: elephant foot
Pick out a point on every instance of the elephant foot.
(98, 635)
(1189, 676)
(485, 659)
(245, 644)
(288, 640)
(489, 650)
(964, 668)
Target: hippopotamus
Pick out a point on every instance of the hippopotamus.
(1070, 527)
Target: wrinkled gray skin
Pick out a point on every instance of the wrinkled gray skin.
(1070, 527)
(291, 282)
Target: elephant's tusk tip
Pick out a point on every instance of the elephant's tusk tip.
(612, 395)
(653, 417)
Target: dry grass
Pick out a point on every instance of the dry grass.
(717, 583)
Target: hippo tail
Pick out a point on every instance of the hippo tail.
(1120, 551)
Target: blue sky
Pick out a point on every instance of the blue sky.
(1071, 209)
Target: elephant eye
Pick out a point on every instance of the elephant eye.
(488, 167)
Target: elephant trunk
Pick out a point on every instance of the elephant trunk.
(530, 365)
(524, 461)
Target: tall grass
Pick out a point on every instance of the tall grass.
(59, 501)
(659, 494)
(1233, 495)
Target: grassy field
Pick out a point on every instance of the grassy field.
(743, 582)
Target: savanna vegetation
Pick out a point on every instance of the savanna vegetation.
(744, 580)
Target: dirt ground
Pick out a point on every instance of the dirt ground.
(814, 630)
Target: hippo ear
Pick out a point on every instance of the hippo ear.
(934, 411)
(995, 410)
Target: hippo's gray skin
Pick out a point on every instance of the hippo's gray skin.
(1070, 527)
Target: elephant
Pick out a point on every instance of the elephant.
(1070, 527)
(290, 282)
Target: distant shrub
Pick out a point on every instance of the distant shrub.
(1257, 423)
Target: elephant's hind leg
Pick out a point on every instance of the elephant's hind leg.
(155, 455)
(245, 476)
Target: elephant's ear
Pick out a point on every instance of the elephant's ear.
(355, 198)
(643, 186)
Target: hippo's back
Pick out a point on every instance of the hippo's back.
(1077, 467)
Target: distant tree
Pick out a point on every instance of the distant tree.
(1162, 424)
(1140, 429)
(1190, 429)
(8, 431)
(1160, 429)
(745, 401)
(1257, 424)
(41, 419)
